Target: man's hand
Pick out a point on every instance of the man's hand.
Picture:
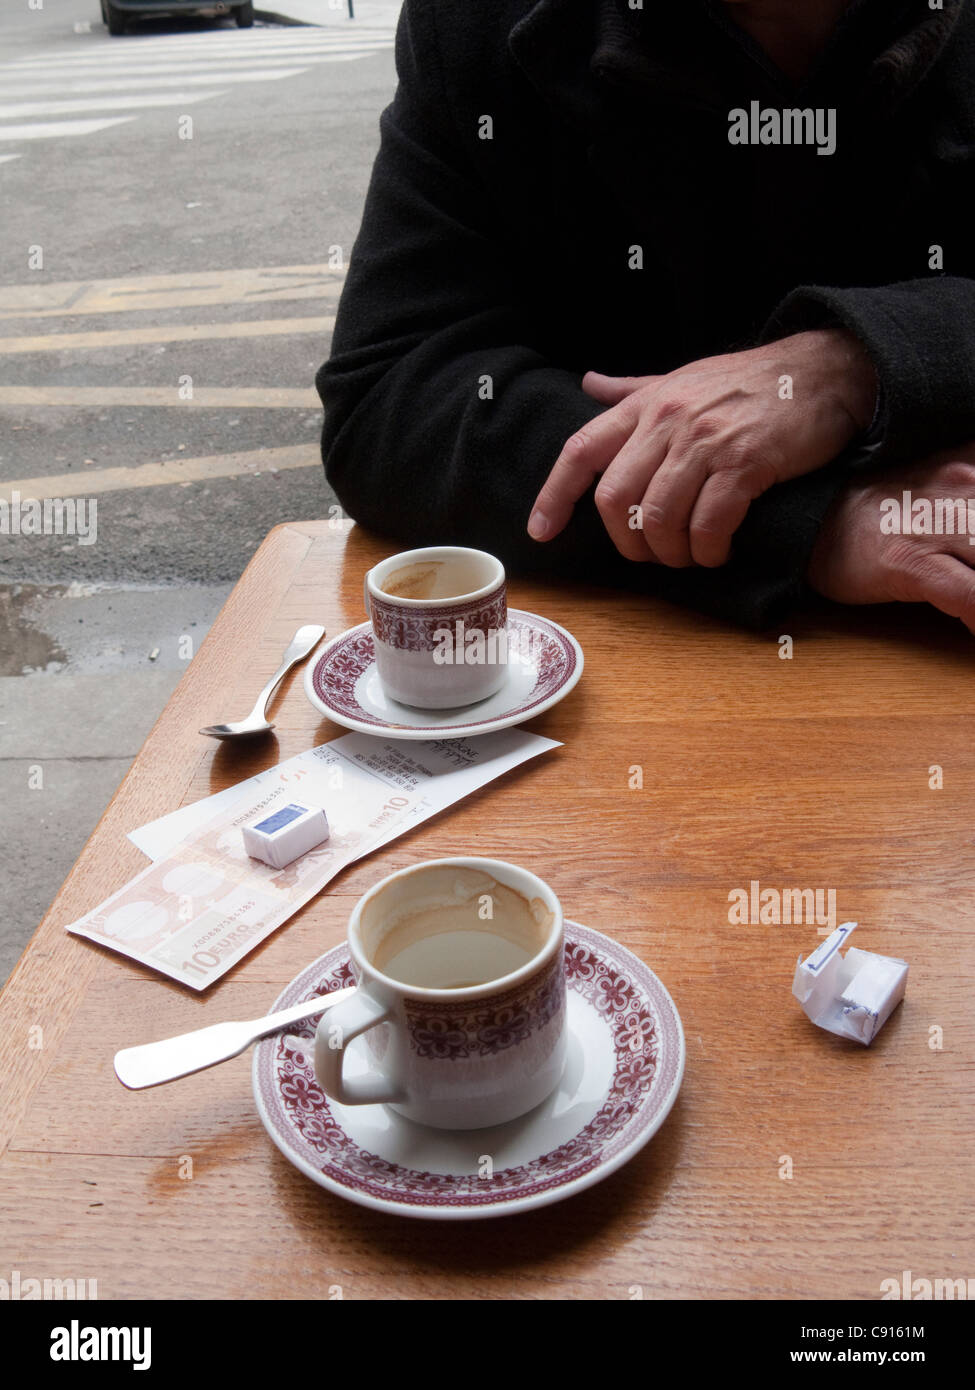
(855, 562)
(682, 456)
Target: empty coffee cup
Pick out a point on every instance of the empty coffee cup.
(461, 995)
(439, 621)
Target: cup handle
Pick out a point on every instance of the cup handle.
(345, 1022)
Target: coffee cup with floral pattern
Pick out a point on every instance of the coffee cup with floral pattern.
(439, 622)
(461, 996)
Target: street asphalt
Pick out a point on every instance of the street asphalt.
(214, 212)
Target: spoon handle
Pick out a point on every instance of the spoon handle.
(153, 1063)
(304, 640)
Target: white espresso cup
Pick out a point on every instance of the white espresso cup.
(461, 995)
(439, 625)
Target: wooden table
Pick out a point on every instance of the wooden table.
(793, 1164)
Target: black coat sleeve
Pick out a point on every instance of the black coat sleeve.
(920, 335)
(443, 413)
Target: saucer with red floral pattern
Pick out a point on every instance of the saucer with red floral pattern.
(544, 664)
(623, 1071)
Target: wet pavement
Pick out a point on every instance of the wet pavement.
(85, 669)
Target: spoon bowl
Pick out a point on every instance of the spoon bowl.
(242, 729)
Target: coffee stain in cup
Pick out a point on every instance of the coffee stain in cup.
(438, 918)
(413, 581)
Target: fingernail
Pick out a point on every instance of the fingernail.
(538, 525)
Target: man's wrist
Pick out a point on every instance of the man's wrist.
(859, 385)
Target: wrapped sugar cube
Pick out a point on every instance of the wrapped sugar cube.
(852, 995)
(286, 834)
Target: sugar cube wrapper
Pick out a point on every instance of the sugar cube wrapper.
(851, 995)
(285, 834)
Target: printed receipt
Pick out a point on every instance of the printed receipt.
(204, 903)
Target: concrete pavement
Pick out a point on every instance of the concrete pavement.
(101, 664)
(162, 226)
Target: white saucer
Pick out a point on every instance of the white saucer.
(344, 685)
(624, 1069)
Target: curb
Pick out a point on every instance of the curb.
(271, 17)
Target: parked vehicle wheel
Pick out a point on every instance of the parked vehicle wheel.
(113, 18)
(244, 15)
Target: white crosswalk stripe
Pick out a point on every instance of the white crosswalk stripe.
(45, 130)
(20, 109)
(146, 71)
(259, 39)
(213, 77)
(242, 56)
(227, 66)
(203, 44)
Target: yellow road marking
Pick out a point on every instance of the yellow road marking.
(86, 483)
(253, 286)
(166, 333)
(204, 397)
